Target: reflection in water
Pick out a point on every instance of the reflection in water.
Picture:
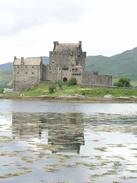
(68, 147)
(26, 125)
(65, 130)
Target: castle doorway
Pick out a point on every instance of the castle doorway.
(65, 79)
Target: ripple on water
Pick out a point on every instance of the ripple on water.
(59, 147)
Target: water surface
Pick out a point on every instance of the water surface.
(55, 142)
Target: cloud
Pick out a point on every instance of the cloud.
(18, 15)
(29, 27)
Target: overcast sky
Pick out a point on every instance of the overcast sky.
(29, 27)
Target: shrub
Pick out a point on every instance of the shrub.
(52, 88)
(123, 82)
(60, 84)
(72, 81)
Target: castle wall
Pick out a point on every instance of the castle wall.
(65, 61)
(61, 59)
(26, 76)
(51, 74)
(44, 72)
(60, 74)
(96, 80)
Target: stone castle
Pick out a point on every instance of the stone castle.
(65, 61)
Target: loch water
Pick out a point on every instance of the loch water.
(60, 142)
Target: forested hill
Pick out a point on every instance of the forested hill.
(5, 74)
(124, 64)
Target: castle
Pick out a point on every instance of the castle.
(65, 61)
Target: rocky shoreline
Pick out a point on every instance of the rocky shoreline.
(76, 98)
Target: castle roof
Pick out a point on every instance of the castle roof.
(66, 46)
(28, 61)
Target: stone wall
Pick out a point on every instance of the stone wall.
(26, 76)
(60, 74)
(44, 72)
(65, 61)
(96, 80)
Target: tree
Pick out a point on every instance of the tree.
(123, 82)
(52, 88)
(72, 81)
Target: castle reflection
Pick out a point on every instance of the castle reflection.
(66, 130)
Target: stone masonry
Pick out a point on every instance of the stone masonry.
(26, 72)
(65, 61)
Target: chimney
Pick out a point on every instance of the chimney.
(55, 44)
(22, 60)
(15, 58)
(80, 43)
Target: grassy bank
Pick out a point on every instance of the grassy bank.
(43, 90)
(1, 90)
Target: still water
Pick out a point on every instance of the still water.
(54, 142)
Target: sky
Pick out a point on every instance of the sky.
(29, 27)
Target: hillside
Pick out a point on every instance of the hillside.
(5, 79)
(7, 67)
(124, 64)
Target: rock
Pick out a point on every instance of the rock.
(108, 96)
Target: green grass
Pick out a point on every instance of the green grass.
(39, 90)
(42, 90)
(1, 90)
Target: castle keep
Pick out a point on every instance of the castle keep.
(65, 61)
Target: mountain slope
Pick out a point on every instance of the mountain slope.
(7, 67)
(5, 74)
(121, 65)
(5, 79)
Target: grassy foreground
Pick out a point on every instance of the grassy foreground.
(43, 90)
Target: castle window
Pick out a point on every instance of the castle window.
(32, 73)
(95, 73)
(74, 69)
(32, 66)
(17, 66)
(76, 74)
(26, 73)
(65, 68)
(77, 62)
(79, 55)
(17, 72)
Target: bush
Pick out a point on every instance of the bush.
(52, 88)
(59, 84)
(123, 82)
(72, 81)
